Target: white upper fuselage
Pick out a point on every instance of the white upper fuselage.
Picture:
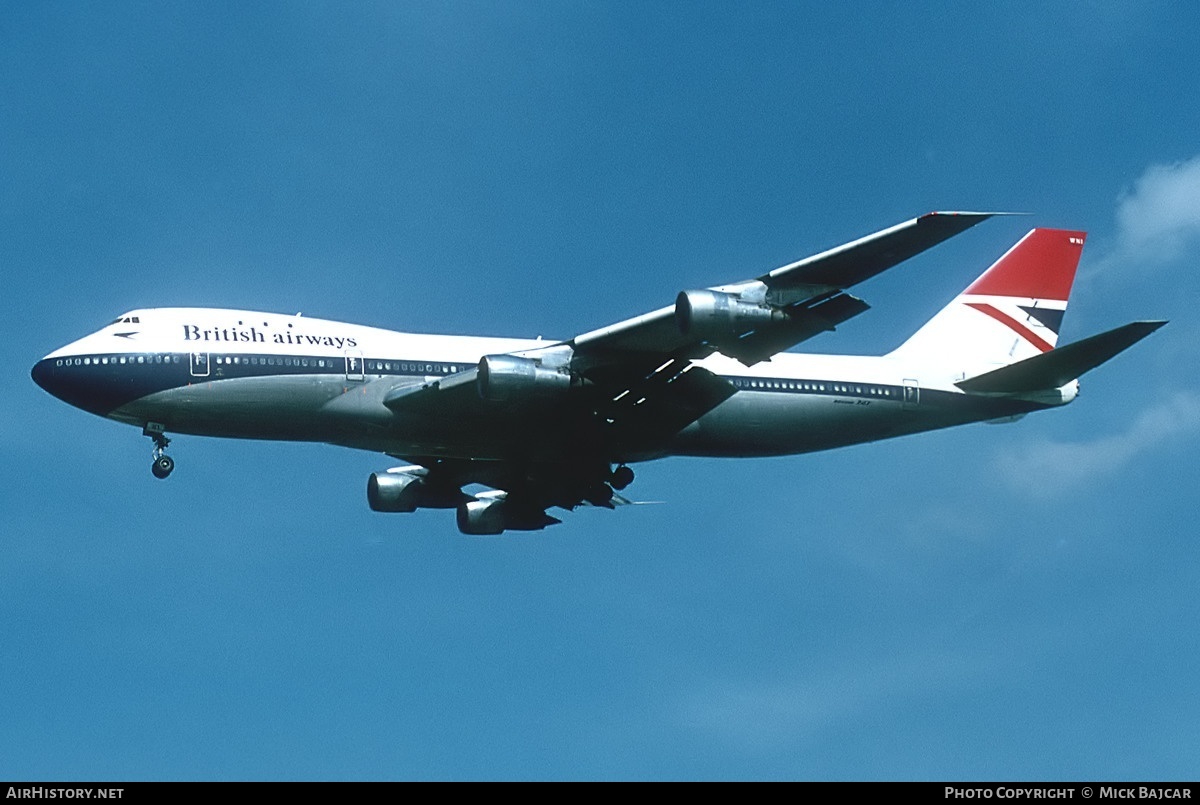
(219, 331)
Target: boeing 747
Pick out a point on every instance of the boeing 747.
(557, 423)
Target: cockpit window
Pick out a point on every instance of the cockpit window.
(126, 320)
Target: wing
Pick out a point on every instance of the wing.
(647, 387)
(753, 319)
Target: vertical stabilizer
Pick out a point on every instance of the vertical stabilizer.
(1013, 311)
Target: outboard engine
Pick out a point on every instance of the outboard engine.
(407, 490)
(717, 316)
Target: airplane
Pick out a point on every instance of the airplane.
(544, 423)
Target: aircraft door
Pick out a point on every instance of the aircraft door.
(198, 364)
(912, 395)
(354, 364)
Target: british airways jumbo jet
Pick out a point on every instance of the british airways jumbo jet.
(548, 424)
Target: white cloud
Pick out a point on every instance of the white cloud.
(1159, 217)
(1045, 469)
(1157, 222)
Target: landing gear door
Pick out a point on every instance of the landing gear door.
(354, 365)
(199, 364)
(912, 395)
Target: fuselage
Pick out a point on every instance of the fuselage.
(245, 374)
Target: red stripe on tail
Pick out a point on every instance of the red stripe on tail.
(1016, 326)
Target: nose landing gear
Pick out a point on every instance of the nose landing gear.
(163, 464)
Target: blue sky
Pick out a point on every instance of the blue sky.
(995, 602)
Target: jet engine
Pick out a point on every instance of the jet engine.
(506, 377)
(407, 492)
(492, 516)
(393, 492)
(481, 517)
(717, 316)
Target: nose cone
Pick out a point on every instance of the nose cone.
(44, 375)
(72, 385)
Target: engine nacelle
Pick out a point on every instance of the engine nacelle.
(407, 492)
(393, 492)
(717, 316)
(481, 517)
(507, 377)
(493, 516)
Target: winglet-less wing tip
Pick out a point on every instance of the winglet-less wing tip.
(970, 214)
(862, 259)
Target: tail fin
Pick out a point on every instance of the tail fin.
(1013, 311)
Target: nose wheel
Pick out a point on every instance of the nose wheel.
(163, 464)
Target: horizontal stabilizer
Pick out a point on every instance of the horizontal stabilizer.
(1060, 366)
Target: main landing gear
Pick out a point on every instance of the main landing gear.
(163, 464)
(621, 477)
